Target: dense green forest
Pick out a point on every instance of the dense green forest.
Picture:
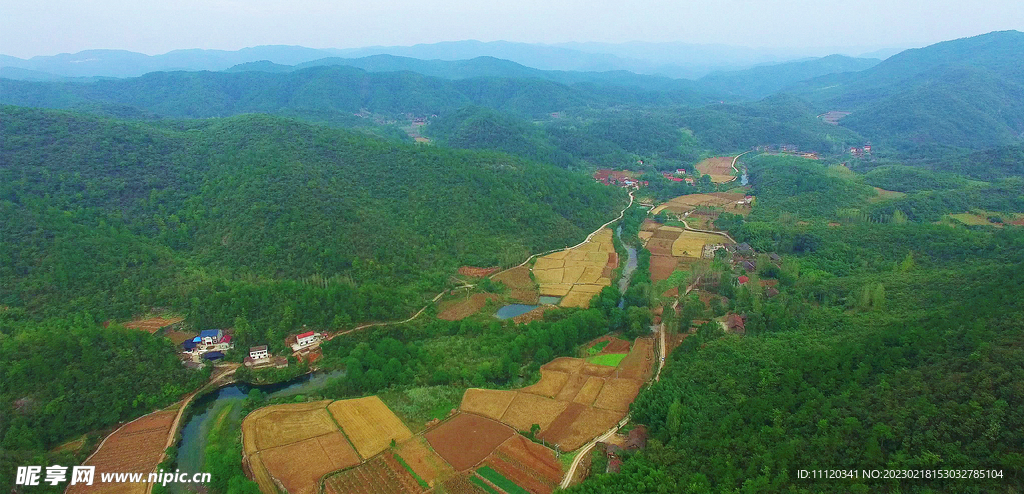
(267, 212)
(105, 376)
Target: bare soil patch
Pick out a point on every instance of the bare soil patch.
(467, 439)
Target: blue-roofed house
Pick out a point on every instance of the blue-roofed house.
(210, 336)
(189, 345)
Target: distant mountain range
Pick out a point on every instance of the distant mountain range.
(675, 60)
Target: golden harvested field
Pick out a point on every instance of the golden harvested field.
(136, 447)
(551, 382)
(576, 274)
(300, 465)
(296, 444)
(369, 424)
(270, 427)
(719, 168)
(424, 461)
(588, 393)
(456, 310)
(528, 409)
(617, 394)
(490, 403)
(574, 383)
(258, 473)
(691, 244)
(564, 364)
(688, 202)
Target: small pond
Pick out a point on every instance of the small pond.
(513, 310)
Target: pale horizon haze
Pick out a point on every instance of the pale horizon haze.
(29, 29)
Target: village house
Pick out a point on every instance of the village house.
(747, 265)
(210, 336)
(307, 338)
(735, 324)
(259, 352)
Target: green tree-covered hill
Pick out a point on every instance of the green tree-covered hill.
(114, 216)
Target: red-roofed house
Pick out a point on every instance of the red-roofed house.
(225, 339)
(743, 279)
(735, 323)
(306, 339)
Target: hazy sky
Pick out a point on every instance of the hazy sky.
(47, 27)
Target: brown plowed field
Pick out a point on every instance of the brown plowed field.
(591, 423)
(300, 465)
(667, 232)
(424, 461)
(457, 310)
(369, 424)
(597, 370)
(617, 394)
(590, 390)
(467, 439)
(560, 426)
(528, 409)
(616, 345)
(662, 266)
(537, 458)
(639, 362)
(573, 385)
(551, 382)
(381, 475)
(519, 475)
(136, 447)
(490, 403)
(661, 246)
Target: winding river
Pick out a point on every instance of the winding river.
(208, 407)
(627, 271)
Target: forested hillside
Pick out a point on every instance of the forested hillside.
(758, 82)
(260, 205)
(895, 343)
(964, 93)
